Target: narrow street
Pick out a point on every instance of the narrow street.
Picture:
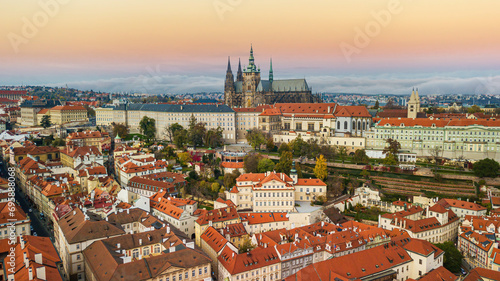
(39, 225)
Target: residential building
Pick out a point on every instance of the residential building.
(155, 255)
(30, 109)
(89, 138)
(273, 192)
(247, 118)
(477, 248)
(412, 258)
(212, 115)
(13, 221)
(63, 114)
(436, 224)
(257, 264)
(43, 153)
(483, 274)
(73, 233)
(462, 208)
(213, 243)
(456, 138)
(218, 218)
(29, 258)
(147, 188)
(134, 220)
(176, 211)
(86, 155)
(129, 167)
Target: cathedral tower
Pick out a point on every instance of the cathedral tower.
(229, 90)
(413, 104)
(239, 75)
(251, 79)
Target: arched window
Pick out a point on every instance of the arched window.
(359, 125)
(364, 126)
(354, 125)
(345, 125)
(338, 125)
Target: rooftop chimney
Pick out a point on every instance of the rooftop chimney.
(140, 241)
(118, 245)
(30, 274)
(26, 260)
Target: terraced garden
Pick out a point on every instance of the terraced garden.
(412, 187)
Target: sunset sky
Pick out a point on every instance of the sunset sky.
(161, 46)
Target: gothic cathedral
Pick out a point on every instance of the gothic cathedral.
(248, 90)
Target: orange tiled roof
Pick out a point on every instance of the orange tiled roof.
(214, 239)
(448, 203)
(68, 107)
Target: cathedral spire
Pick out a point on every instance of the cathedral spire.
(251, 60)
(239, 75)
(251, 64)
(229, 64)
(271, 77)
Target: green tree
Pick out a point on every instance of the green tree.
(230, 179)
(270, 144)
(58, 142)
(283, 147)
(196, 134)
(90, 111)
(474, 109)
(393, 147)
(452, 256)
(298, 146)
(213, 138)
(365, 174)
(215, 187)
(148, 127)
(377, 105)
(48, 140)
(120, 130)
(182, 191)
(360, 157)
(265, 165)
(251, 162)
(285, 163)
(486, 168)
(170, 131)
(342, 153)
(246, 246)
(255, 138)
(390, 160)
(320, 170)
(180, 138)
(45, 122)
(328, 152)
(184, 158)
(298, 168)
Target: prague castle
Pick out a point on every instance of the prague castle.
(249, 90)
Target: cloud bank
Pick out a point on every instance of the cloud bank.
(178, 84)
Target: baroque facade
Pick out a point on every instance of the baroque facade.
(249, 90)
